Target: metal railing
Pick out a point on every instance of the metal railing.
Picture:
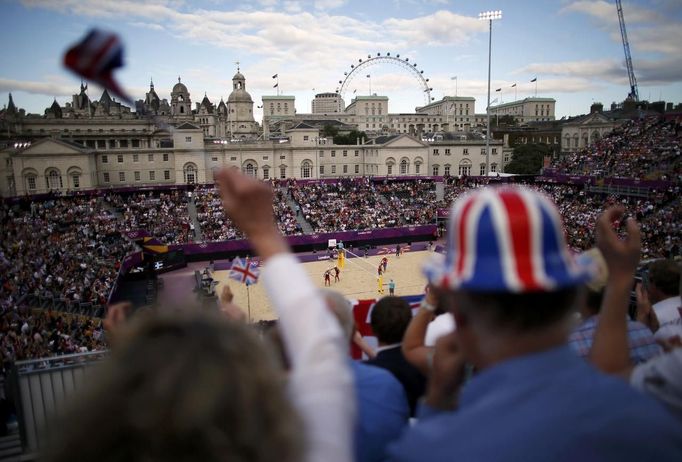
(43, 388)
(95, 310)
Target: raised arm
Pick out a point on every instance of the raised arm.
(413, 346)
(610, 350)
(320, 381)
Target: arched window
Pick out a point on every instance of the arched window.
(54, 179)
(417, 167)
(250, 169)
(190, 173)
(31, 182)
(403, 167)
(306, 168)
(465, 167)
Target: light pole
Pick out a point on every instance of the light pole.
(489, 16)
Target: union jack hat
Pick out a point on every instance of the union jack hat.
(506, 239)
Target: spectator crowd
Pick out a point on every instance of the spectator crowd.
(647, 148)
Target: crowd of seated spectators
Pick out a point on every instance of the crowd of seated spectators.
(344, 205)
(658, 217)
(647, 148)
(163, 215)
(215, 226)
(30, 334)
(66, 249)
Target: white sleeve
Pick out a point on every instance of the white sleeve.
(320, 383)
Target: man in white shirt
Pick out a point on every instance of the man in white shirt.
(663, 290)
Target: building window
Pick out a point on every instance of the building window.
(333, 168)
(345, 153)
(403, 167)
(506, 157)
(464, 169)
(152, 175)
(165, 157)
(76, 179)
(493, 168)
(466, 151)
(54, 180)
(280, 158)
(483, 151)
(150, 157)
(135, 143)
(435, 152)
(494, 151)
(282, 172)
(417, 167)
(305, 137)
(166, 174)
(345, 169)
(136, 157)
(137, 176)
(447, 151)
(357, 169)
(357, 153)
(446, 170)
(306, 167)
(31, 180)
(214, 159)
(435, 170)
(333, 153)
(105, 159)
(188, 139)
(112, 144)
(250, 169)
(389, 169)
(321, 169)
(482, 170)
(105, 176)
(121, 176)
(120, 158)
(266, 173)
(233, 158)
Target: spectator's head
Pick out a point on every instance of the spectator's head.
(390, 318)
(342, 309)
(664, 280)
(183, 388)
(513, 276)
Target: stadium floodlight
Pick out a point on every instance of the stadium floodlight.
(489, 16)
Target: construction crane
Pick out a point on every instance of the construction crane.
(634, 94)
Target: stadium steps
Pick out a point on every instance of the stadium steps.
(10, 448)
(192, 210)
(305, 226)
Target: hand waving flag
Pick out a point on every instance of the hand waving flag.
(244, 271)
(95, 58)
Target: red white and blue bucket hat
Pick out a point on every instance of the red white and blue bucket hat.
(507, 239)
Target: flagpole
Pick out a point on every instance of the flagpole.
(536, 87)
(248, 302)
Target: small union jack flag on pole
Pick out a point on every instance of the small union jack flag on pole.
(244, 271)
(95, 58)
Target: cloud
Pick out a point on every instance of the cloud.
(439, 28)
(647, 71)
(37, 88)
(648, 30)
(147, 25)
(328, 4)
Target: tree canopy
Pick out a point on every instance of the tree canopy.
(527, 159)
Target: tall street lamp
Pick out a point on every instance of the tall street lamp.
(489, 16)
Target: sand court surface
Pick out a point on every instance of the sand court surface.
(358, 280)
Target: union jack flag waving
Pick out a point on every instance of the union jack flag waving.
(95, 58)
(244, 271)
